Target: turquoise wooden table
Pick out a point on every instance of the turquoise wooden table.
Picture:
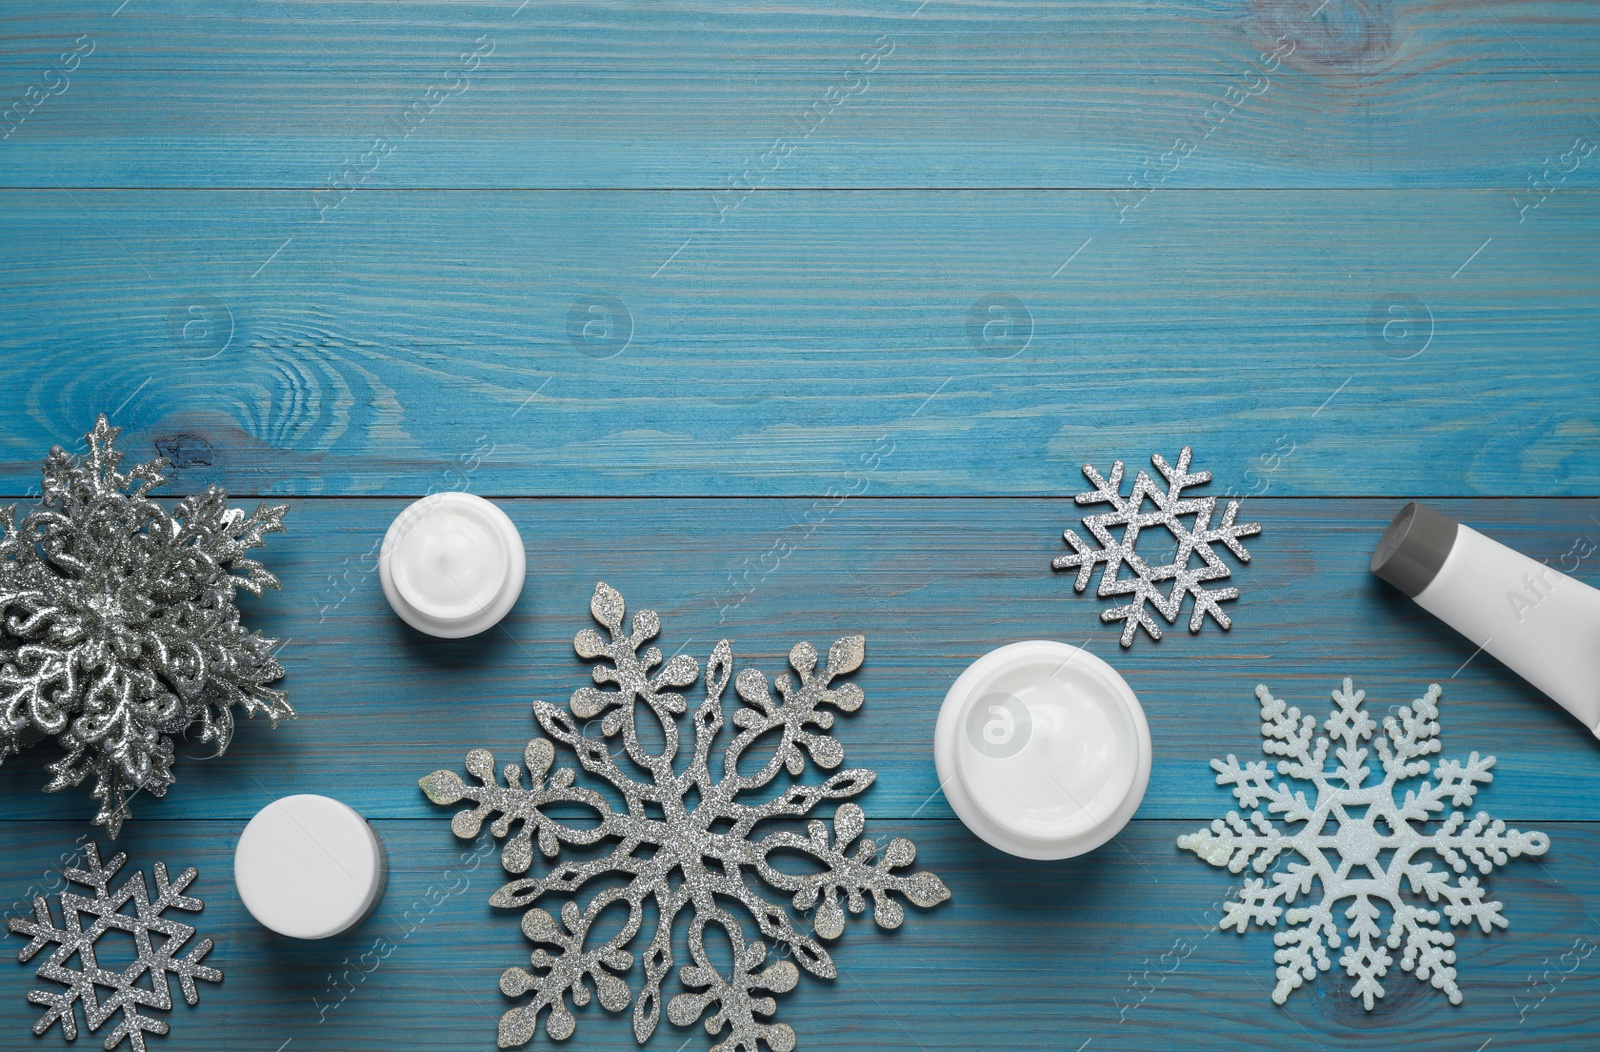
(669, 280)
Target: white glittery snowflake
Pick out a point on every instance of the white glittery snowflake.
(143, 984)
(1192, 543)
(683, 842)
(1361, 841)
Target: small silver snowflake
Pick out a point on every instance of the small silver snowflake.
(683, 840)
(143, 984)
(120, 628)
(1170, 508)
(1361, 841)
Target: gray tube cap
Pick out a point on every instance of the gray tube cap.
(1414, 547)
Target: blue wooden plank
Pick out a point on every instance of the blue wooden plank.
(627, 343)
(932, 583)
(1026, 94)
(1116, 949)
(1415, 316)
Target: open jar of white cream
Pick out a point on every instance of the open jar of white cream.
(1042, 750)
(452, 564)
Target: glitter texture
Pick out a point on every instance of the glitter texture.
(143, 983)
(1170, 507)
(1359, 840)
(684, 840)
(120, 629)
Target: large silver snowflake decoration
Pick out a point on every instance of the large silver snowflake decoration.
(1148, 583)
(1361, 841)
(684, 840)
(119, 624)
(143, 984)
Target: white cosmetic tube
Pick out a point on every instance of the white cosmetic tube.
(1540, 623)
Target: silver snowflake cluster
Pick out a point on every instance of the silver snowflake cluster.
(684, 840)
(1148, 581)
(118, 628)
(143, 984)
(1359, 840)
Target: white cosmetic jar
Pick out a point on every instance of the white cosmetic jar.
(309, 867)
(1042, 750)
(452, 565)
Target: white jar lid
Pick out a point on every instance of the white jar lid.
(309, 867)
(452, 564)
(1042, 750)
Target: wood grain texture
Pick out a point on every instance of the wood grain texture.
(1116, 948)
(626, 343)
(623, 94)
(932, 583)
(666, 280)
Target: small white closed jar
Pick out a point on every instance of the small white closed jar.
(309, 867)
(1042, 750)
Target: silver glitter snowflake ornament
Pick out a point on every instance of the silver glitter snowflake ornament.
(1148, 581)
(119, 624)
(1361, 841)
(685, 839)
(143, 984)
